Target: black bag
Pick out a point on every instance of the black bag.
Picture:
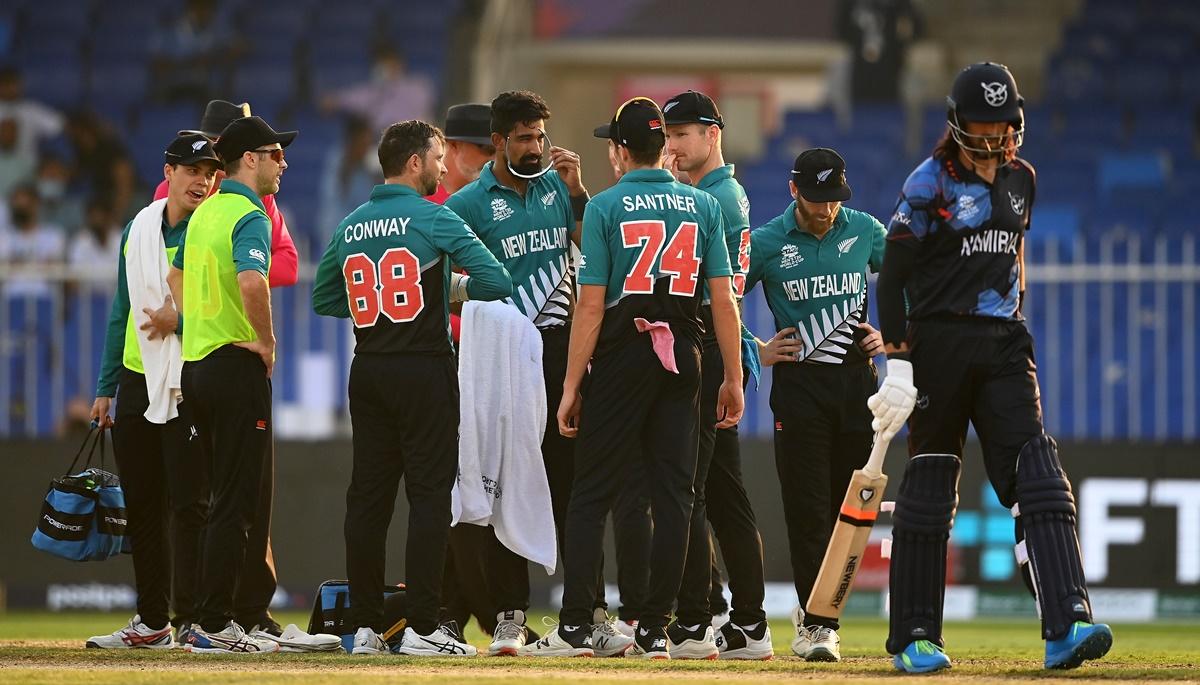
(332, 600)
(83, 515)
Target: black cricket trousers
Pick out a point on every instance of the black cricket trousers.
(822, 433)
(167, 501)
(721, 500)
(230, 398)
(404, 413)
(633, 409)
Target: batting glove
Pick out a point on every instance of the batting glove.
(895, 399)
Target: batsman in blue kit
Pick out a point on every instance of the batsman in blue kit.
(950, 294)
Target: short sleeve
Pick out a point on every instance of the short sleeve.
(595, 261)
(252, 243)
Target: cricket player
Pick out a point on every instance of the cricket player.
(950, 294)
(219, 279)
(812, 261)
(165, 500)
(527, 215)
(648, 245)
(694, 127)
(387, 268)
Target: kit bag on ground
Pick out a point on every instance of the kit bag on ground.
(83, 515)
(332, 601)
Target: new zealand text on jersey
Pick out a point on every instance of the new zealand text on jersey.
(377, 228)
(827, 285)
(535, 241)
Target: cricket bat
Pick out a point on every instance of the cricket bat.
(844, 555)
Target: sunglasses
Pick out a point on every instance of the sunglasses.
(275, 154)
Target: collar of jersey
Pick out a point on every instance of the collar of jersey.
(166, 227)
(392, 189)
(228, 185)
(715, 176)
(648, 176)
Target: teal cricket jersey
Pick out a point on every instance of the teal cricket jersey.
(386, 268)
(651, 242)
(817, 285)
(531, 236)
(735, 207)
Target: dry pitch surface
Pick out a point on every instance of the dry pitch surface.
(47, 648)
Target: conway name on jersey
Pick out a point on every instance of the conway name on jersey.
(386, 268)
(530, 235)
(818, 285)
(651, 242)
(969, 232)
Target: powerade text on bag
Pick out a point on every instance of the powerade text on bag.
(332, 600)
(83, 516)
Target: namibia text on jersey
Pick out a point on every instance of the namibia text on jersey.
(996, 242)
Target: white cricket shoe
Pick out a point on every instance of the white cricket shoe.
(826, 645)
(441, 642)
(230, 640)
(292, 639)
(510, 634)
(626, 628)
(607, 639)
(692, 643)
(135, 635)
(367, 642)
(736, 642)
(803, 641)
(562, 641)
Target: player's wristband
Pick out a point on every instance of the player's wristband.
(578, 202)
(458, 287)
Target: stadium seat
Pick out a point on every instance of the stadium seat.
(1145, 170)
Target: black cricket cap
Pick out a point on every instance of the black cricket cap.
(249, 133)
(217, 115)
(692, 107)
(820, 176)
(191, 148)
(471, 123)
(638, 125)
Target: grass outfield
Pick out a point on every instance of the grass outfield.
(48, 648)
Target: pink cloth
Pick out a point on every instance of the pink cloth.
(661, 339)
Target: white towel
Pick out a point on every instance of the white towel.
(146, 273)
(501, 477)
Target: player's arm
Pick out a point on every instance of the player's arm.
(251, 244)
(329, 296)
(285, 261)
(718, 272)
(566, 163)
(487, 279)
(114, 342)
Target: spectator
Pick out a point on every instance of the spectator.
(15, 168)
(187, 55)
(60, 206)
(27, 246)
(350, 173)
(391, 95)
(94, 250)
(35, 122)
(878, 33)
(104, 165)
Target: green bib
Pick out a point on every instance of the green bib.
(212, 299)
(132, 357)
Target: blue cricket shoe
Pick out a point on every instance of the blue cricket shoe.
(921, 656)
(1082, 642)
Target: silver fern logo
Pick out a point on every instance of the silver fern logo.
(845, 245)
(548, 198)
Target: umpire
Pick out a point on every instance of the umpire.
(228, 353)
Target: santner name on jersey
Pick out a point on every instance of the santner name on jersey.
(659, 201)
